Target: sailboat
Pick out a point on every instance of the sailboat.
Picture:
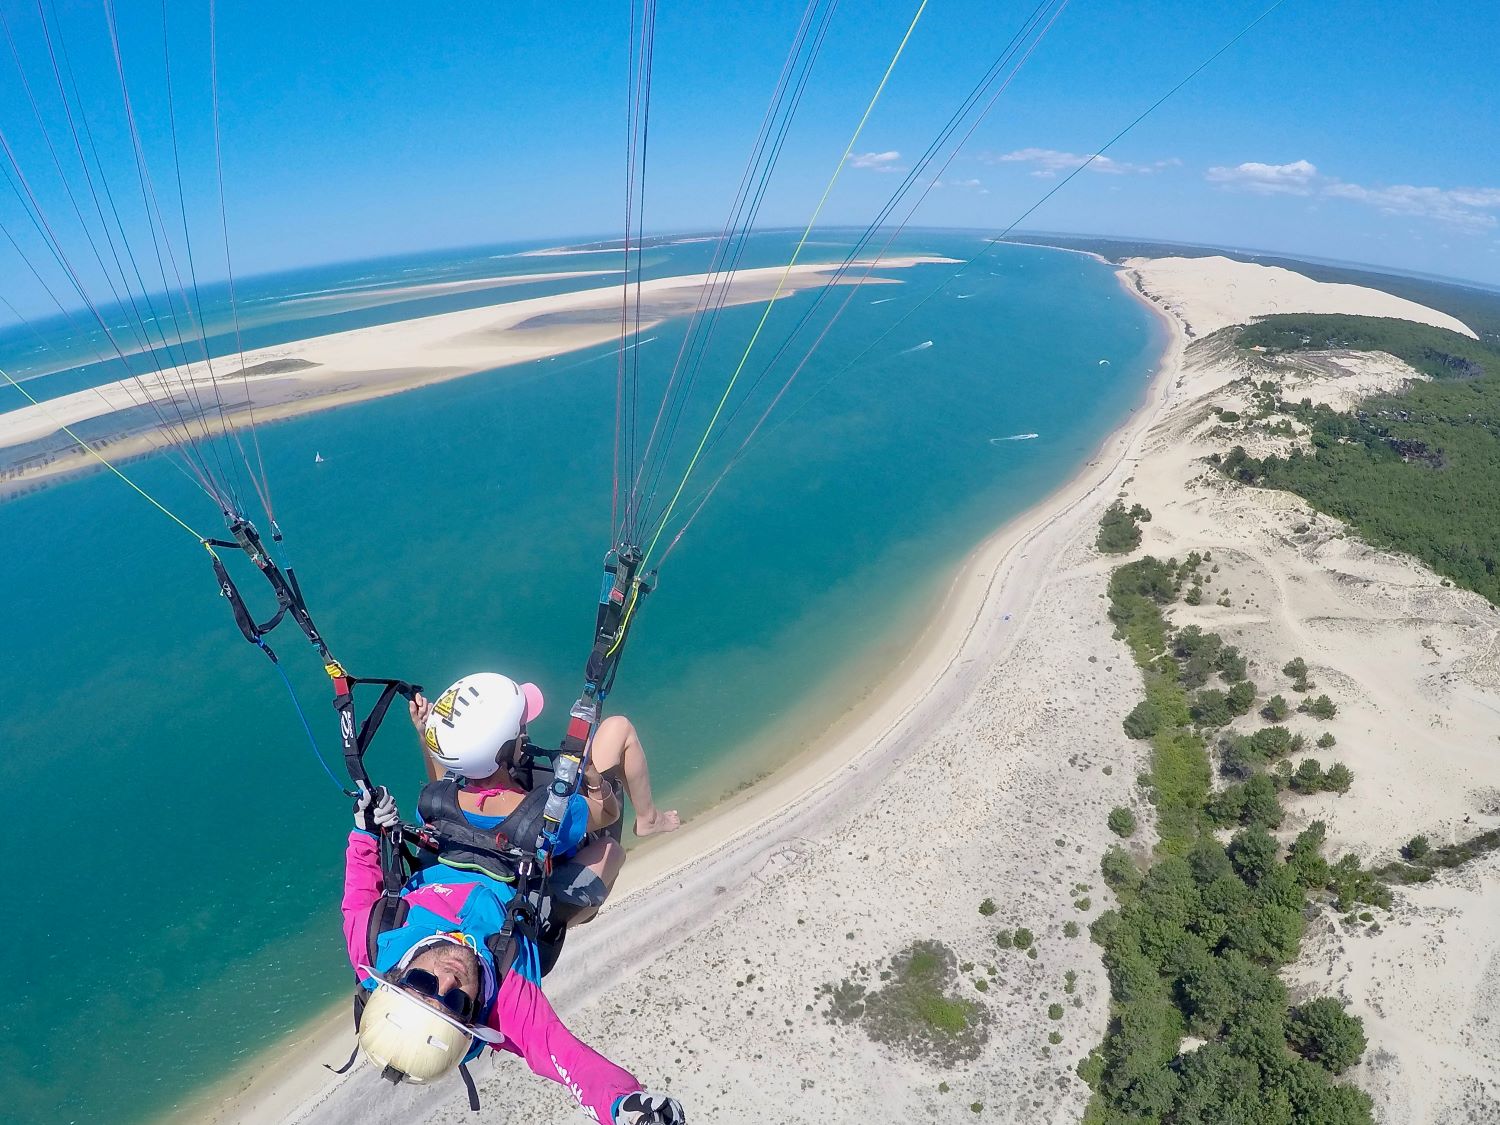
(317, 458)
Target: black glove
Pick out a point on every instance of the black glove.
(646, 1108)
(375, 812)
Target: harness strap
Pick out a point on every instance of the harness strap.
(463, 846)
(463, 1072)
(354, 1054)
(389, 914)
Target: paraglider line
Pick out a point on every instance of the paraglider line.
(781, 284)
(89, 449)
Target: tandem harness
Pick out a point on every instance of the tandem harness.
(446, 837)
(520, 852)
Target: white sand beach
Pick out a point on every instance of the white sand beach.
(983, 767)
(364, 363)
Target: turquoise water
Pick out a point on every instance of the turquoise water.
(177, 849)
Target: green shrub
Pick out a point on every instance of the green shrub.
(1253, 852)
(915, 1010)
(1320, 708)
(1119, 870)
(1210, 708)
(1339, 778)
(1297, 670)
(1144, 720)
(1118, 533)
(1250, 802)
(1324, 1033)
(1121, 821)
(1241, 697)
(988, 907)
(1232, 663)
(1308, 777)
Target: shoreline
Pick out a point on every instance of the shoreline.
(824, 779)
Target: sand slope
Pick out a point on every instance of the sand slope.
(1207, 294)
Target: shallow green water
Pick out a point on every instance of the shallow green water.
(177, 847)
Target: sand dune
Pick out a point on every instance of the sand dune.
(1414, 666)
(1207, 294)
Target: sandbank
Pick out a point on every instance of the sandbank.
(438, 288)
(136, 416)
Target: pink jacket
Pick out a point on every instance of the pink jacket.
(520, 1012)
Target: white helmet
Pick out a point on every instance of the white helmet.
(409, 1040)
(474, 719)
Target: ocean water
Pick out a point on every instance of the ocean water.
(176, 847)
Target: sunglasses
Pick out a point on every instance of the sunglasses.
(455, 1001)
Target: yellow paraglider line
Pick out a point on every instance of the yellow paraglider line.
(786, 273)
(94, 453)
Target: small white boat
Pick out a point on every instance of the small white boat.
(317, 458)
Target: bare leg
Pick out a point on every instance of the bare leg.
(618, 753)
(604, 857)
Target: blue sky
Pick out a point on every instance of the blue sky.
(1360, 131)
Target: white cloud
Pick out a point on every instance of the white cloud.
(1466, 208)
(877, 161)
(961, 185)
(1296, 178)
(1048, 162)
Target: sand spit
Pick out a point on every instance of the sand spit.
(983, 766)
(125, 419)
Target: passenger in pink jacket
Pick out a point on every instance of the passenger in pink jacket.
(437, 998)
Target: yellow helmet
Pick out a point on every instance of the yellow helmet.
(410, 1040)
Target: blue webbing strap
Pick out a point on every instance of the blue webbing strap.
(306, 726)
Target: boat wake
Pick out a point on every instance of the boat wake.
(922, 347)
(1013, 437)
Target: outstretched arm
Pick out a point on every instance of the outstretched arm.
(523, 1015)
